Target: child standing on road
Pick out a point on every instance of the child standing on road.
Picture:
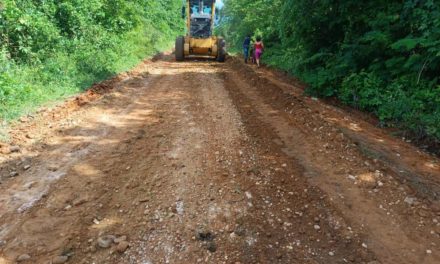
(246, 45)
(252, 54)
(258, 49)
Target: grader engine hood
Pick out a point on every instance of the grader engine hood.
(201, 27)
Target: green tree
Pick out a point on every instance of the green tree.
(380, 56)
(53, 48)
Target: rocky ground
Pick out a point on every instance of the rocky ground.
(201, 162)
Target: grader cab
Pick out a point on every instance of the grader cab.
(199, 40)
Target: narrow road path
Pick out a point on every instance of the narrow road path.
(200, 162)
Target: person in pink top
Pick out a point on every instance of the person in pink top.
(258, 49)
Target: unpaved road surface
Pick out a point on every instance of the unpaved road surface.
(200, 162)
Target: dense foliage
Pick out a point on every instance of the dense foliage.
(53, 48)
(380, 56)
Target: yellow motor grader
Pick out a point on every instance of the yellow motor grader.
(199, 40)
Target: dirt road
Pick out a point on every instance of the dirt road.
(200, 162)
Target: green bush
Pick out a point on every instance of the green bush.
(363, 90)
(380, 56)
(52, 49)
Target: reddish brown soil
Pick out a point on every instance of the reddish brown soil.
(200, 162)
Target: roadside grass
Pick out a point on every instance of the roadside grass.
(24, 88)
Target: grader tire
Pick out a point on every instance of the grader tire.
(180, 54)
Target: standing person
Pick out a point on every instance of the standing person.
(252, 53)
(246, 45)
(258, 49)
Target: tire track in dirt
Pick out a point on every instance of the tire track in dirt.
(328, 158)
(420, 170)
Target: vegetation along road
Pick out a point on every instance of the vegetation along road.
(114, 152)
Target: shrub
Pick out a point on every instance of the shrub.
(380, 56)
(52, 49)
